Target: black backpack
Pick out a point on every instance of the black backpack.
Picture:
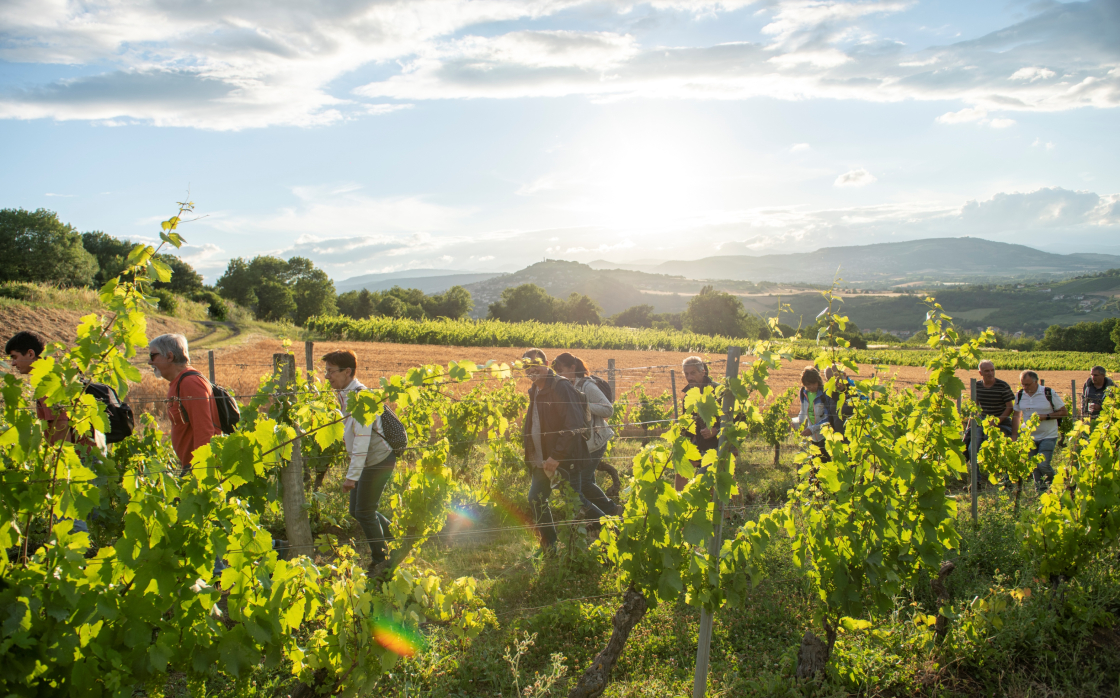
(605, 387)
(229, 413)
(394, 432)
(121, 420)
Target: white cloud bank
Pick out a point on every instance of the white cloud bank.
(235, 65)
(855, 178)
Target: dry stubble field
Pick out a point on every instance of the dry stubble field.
(240, 367)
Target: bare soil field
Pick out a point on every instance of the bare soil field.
(240, 367)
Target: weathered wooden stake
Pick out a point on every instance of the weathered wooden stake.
(673, 382)
(296, 522)
(1073, 399)
(210, 355)
(309, 355)
(974, 467)
(704, 644)
(610, 378)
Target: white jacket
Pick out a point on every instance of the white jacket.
(364, 449)
(601, 410)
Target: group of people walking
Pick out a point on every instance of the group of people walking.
(566, 430)
(994, 398)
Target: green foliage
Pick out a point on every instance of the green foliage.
(453, 303)
(278, 290)
(275, 301)
(774, 427)
(1006, 459)
(35, 246)
(1096, 337)
(524, 303)
(715, 312)
(146, 606)
(112, 255)
(634, 316)
(1080, 514)
(168, 304)
(216, 308)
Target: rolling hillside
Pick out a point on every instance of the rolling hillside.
(895, 263)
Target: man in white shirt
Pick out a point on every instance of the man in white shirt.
(371, 459)
(1034, 399)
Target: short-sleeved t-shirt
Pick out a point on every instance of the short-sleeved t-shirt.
(1038, 404)
(993, 401)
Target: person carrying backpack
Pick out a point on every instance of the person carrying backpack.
(1033, 399)
(554, 435)
(372, 453)
(817, 410)
(191, 407)
(599, 410)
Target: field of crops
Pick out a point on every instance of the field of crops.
(493, 333)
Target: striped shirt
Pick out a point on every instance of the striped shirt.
(993, 401)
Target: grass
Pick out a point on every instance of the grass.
(1044, 647)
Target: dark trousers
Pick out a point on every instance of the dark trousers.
(364, 499)
(591, 496)
(539, 491)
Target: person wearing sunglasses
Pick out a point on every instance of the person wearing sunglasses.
(191, 408)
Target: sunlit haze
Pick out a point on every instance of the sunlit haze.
(378, 136)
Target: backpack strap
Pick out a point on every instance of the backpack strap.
(178, 387)
(1049, 397)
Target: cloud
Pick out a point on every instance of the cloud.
(963, 116)
(854, 178)
(800, 148)
(818, 51)
(232, 66)
(1050, 217)
(970, 114)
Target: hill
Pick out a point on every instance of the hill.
(896, 263)
(427, 280)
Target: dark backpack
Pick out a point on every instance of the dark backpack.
(605, 387)
(394, 432)
(229, 412)
(121, 420)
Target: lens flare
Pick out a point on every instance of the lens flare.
(401, 641)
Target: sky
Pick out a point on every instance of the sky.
(485, 135)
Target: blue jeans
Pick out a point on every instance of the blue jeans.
(539, 491)
(591, 496)
(364, 499)
(1044, 474)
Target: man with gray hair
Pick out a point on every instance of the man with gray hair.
(1050, 409)
(704, 436)
(190, 401)
(995, 398)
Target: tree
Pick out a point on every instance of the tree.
(635, 316)
(716, 312)
(523, 303)
(453, 303)
(275, 301)
(314, 295)
(580, 309)
(112, 257)
(1084, 336)
(36, 246)
(237, 283)
(357, 304)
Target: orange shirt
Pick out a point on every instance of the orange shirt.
(202, 423)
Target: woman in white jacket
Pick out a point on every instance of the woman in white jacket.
(371, 459)
(583, 481)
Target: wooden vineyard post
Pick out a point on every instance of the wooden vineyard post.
(673, 383)
(309, 356)
(610, 378)
(210, 356)
(704, 643)
(1076, 413)
(974, 466)
(296, 523)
